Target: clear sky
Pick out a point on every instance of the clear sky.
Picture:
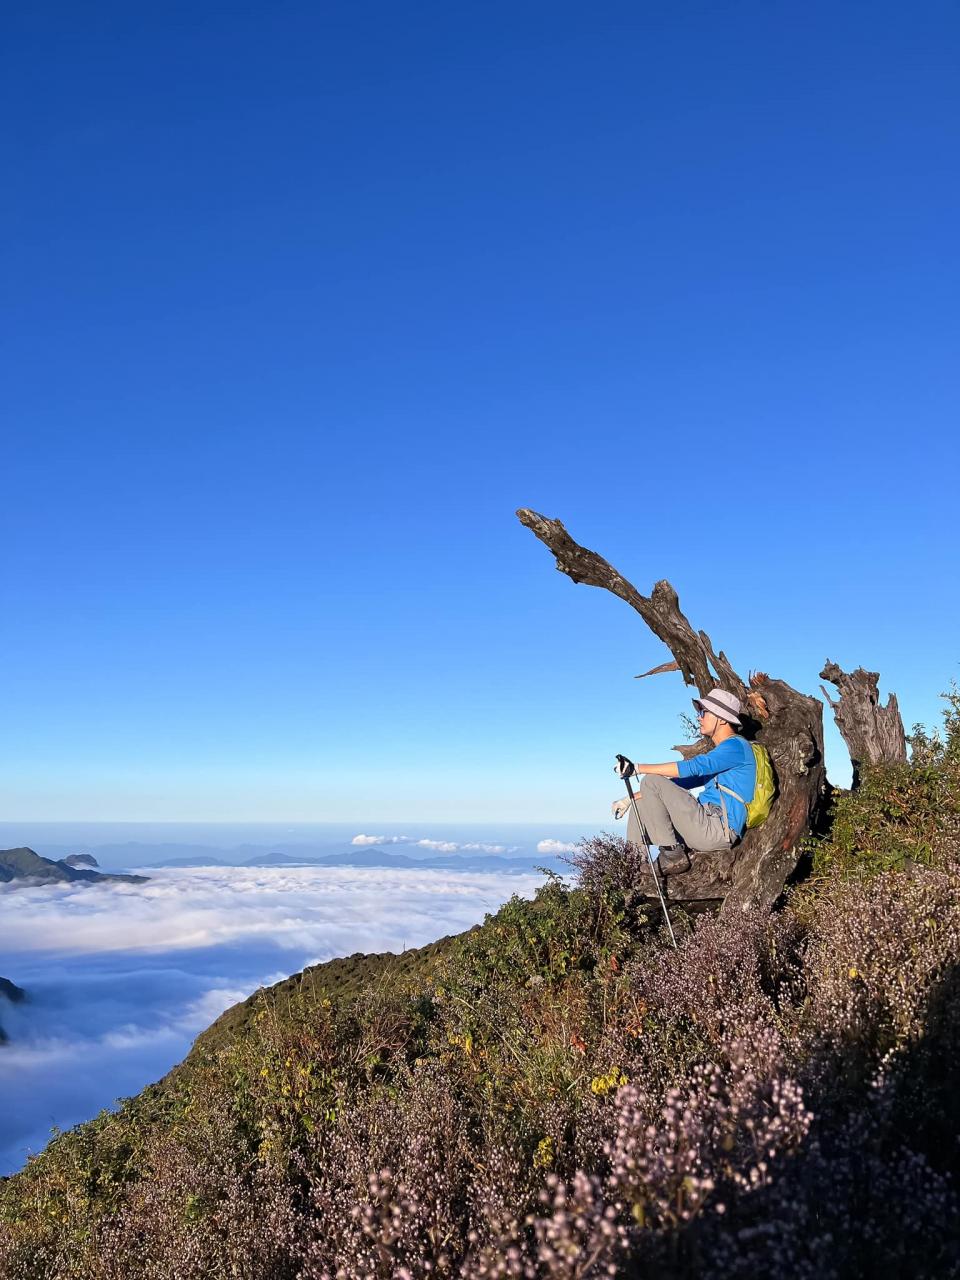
(303, 300)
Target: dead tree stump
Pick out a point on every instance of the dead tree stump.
(788, 723)
(873, 732)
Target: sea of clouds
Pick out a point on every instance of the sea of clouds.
(122, 978)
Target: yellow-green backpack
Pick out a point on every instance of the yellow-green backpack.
(758, 809)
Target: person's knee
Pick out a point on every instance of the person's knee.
(652, 782)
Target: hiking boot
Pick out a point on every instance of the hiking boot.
(673, 859)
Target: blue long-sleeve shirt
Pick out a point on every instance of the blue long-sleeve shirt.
(732, 763)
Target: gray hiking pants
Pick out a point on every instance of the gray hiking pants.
(670, 814)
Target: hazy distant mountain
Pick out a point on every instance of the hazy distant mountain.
(198, 860)
(79, 860)
(279, 860)
(134, 854)
(24, 864)
(262, 860)
(373, 856)
(487, 862)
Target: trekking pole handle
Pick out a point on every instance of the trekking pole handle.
(625, 767)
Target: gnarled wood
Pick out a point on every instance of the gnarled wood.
(788, 723)
(873, 732)
(660, 610)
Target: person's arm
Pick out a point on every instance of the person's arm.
(668, 770)
(708, 765)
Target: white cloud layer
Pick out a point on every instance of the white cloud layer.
(367, 840)
(121, 978)
(555, 846)
(438, 846)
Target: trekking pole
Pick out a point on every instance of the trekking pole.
(653, 866)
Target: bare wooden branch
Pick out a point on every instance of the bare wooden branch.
(660, 610)
(656, 671)
(873, 733)
(690, 749)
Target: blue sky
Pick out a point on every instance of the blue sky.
(304, 300)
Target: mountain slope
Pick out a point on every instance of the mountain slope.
(553, 1075)
(10, 991)
(24, 864)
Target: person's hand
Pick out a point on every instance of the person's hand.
(624, 767)
(620, 807)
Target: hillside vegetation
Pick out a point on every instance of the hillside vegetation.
(560, 1095)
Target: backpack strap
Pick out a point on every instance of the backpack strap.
(728, 834)
(736, 795)
(723, 804)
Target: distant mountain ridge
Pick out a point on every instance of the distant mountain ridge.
(24, 864)
(376, 857)
(198, 860)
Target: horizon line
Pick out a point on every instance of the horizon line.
(285, 822)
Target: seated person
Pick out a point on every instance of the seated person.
(673, 819)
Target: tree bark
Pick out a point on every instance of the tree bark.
(873, 733)
(788, 723)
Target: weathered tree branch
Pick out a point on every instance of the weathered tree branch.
(873, 732)
(788, 723)
(660, 610)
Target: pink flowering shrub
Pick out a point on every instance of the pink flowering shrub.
(878, 953)
(708, 1139)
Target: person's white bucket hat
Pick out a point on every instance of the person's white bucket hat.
(722, 704)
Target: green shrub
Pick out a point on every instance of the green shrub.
(560, 931)
(900, 814)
